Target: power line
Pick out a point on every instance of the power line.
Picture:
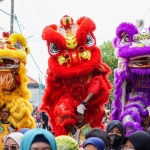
(33, 67)
(15, 17)
(146, 13)
(5, 12)
(33, 35)
(47, 11)
(21, 32)
(25, 11)
(38, 12)
(31, 30)
(2, 28)
(37, 65)
(29, 37)
(28, 18)
(18, 23)
(38, 33)
(36, 40)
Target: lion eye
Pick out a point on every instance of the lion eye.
(143, 31)
(90, 40)
(18, 45)
(125, 39)
(53, 49)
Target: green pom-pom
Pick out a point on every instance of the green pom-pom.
(66, 143)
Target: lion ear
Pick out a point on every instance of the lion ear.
(139, 23)
(27, 49)
(53, 26)
(79, 21)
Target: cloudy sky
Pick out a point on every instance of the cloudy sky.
(34, 15)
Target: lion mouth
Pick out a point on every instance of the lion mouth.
(6, 62)
(140, 62)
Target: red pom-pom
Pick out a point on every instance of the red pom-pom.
(5, 34)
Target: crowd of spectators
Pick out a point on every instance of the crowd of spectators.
(84, 137)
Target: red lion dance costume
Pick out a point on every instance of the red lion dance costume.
(75, 71)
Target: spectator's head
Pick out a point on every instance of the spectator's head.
(146, 122)
(4, 114)
(80, 119)
(138, 140)
(115, 130)
(12, 141)
(24, 130)
(66, 143)
(38, 139)
(115, 127)
(93, 143)
(97, 132)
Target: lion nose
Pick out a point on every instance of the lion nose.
(74, 57)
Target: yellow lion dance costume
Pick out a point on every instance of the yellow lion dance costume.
(13, 80)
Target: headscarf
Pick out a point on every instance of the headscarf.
(16, 136)
(139, 139)
(24, 130)
(97, 142)
(114, 123)
(29, 137)
(116, 138)
(66, 143)
(40, 138)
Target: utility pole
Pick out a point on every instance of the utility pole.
(40, 90)
(12, 17)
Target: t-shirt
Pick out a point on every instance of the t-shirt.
(80, 135)
(3, 131)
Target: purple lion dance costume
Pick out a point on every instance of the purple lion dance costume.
(132, 77)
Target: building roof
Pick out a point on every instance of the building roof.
(32, 81)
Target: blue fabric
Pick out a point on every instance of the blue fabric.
(24, 130)
(40, 138)
(97, 142)
(32, 133)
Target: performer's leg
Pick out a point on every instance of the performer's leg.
(65, 114)
(132, 115)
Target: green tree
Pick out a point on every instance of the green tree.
(109, 58)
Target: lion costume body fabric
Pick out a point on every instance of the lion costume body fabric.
(75, 70)
(13, 80)
(132, 77)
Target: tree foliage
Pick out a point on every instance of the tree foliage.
(109, 58)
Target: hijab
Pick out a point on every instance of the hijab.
(139, 139)
(35, 135)
(97, 142)
(116, 138)
(16, 136)
(114, 123)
